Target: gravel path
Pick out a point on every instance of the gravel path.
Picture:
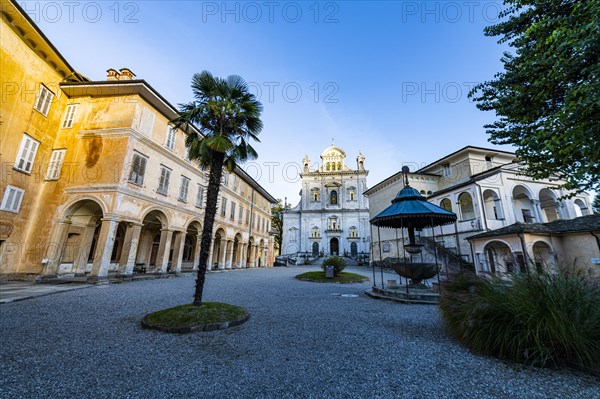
(304, 340)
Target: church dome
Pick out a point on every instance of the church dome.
(333, 152)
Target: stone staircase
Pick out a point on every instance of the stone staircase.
(449, 255)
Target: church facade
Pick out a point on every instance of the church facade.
(332, 217)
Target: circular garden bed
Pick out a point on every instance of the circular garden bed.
(343, 277)
(188, 318)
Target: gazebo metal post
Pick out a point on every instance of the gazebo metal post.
(398, 249)
(373, 252)
(380, 256)
(404, 255)
(435, 252)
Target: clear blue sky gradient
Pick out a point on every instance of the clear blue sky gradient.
(389, 78)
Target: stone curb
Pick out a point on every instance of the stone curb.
(199, 327)
(375, 295)
(332, 282)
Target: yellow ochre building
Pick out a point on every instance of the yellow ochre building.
(96, 183)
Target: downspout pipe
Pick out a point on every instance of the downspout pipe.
(482, 204)
(525, 254)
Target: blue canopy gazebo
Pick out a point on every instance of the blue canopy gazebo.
(410, 211)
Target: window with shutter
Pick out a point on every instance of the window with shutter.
(200, 196)
(11, 201)
(163, 182)
(223, 206)
(147, 122)
(69, 116)
(183, 189)
(138, 169)
(43, 100)
(56, 163)
(171, 134)
(26, 154)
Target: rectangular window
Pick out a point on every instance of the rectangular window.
(263, 225)
(163, 181)
(186, 155)
(138, 169)
(223, 206)
(11, 202)
(43, 100)
(235, 182)
(171, 135)
(241, 215)
(527, 216)
(447, 171)
(69, 116)
(488, 162)
(147, 121)
(225, 178)
(56, 163)
(183, 189)
(199, 196)
(232, 211)
(247, 217)
(26, 154)
(243, 188)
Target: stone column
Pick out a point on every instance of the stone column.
(253, 256)
(229, 255)
(164, 248)
(222, 252)
(197, 252)
(540, 216)
(178, 251)
(243, 255)
(129, 251)
(55, 249)
(209, 260)
(104, 245)
(85, 245)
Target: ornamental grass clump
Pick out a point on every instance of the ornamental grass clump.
(537, 319)
(337, 262)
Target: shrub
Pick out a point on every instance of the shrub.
(541, 320)
(338, 264)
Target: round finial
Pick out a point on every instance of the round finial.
(405, 171)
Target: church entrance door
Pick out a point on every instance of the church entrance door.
(334, 246)
(353, 249)
(315, 249)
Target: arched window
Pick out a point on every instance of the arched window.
(339, 166)
(315, 232)
(333, 197)
(446, 204)
(328, 166)
(465, 202)
(351, 193)
(315, 194)
(580, 208)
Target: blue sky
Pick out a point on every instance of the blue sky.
(389, 78)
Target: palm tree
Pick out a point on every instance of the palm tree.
(228, 117)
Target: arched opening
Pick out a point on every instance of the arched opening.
(522, 200)
(251, 253)
(153, 240)
(117, 249)
(236, 251)
(543, 258)
(446, 204)
(353, 249)
(261, 253)
(315, 249)
(549, 205)
(465, 203)
(492, 205)
(580, 208)
(191, 246)
(219, 248)
(79, 249)
(334, 246)
(499, 258)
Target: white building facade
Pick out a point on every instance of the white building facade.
(489, 190)
(332, 217)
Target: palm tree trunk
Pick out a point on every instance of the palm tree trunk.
(214, 184)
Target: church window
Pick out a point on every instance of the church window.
(339, 166)
(333, 197)
(328, 166)
(315, 194)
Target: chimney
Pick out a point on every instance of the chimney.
(126, 74)
(112, 74)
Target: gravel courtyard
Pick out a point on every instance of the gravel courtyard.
(303, 340)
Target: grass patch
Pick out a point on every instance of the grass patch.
(536, 319)
(342, 277)
(190, 315)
